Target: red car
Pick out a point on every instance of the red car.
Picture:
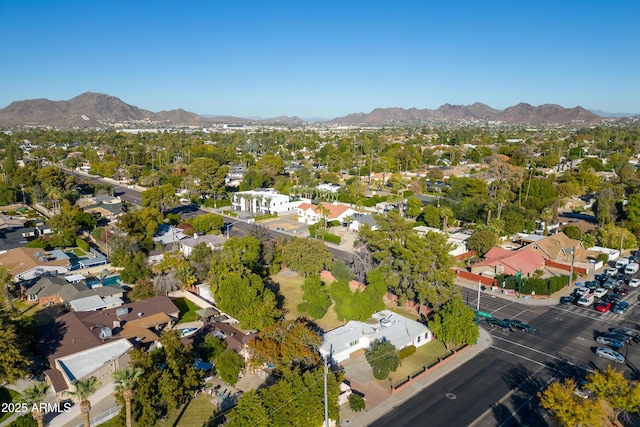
(623, 292)
(603, 307)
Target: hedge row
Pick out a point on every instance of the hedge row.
(407, 351)
(328, 237)
(533, 284)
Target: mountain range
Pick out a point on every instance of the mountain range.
(99, 110)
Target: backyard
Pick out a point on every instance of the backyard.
(424, 356)
(187, 310)
(291, 289)
(196, 413)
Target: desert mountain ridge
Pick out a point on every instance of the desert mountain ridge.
(93, 110)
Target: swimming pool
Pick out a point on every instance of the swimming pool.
(108, 281)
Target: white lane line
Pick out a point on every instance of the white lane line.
(537, 351)
(522, 357)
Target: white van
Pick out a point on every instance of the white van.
(586, 300)
(631, 269)
(622, 263)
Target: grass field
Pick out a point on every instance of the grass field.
(291, 290)
(195, 414)
(187, 310)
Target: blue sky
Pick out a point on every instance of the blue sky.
(323, 59)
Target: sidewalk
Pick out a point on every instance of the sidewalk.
(366, 417)
(101, 401)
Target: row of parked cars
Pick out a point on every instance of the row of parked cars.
(585, 296)
(615, 339)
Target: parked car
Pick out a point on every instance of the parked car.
(601, 278)
(623, 292)
(600, 292)
(603, 307)
(592, 284)
(610, 284)
(611, 342)
(624, 331)
(619, 337)
(621, 307)
(611, 271)
(635, 282)
(612, 298)
(581, 290)
(568, 300)
(607, 353)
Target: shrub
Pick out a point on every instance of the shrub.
(407, 351)
(39, 243)
(357, 402)
(334, 223)
(332, 238)
(602, 257)
(82, 244)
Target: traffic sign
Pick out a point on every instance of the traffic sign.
(484, 314)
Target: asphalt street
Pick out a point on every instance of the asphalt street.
(499, 386)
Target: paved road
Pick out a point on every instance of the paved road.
(499, 386)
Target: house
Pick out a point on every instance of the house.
(235, 176)
(49, 290)
(214, 241)
(312, 214)
(338, 344)
(359, 219)
(457, 241)
(96, 343)
(499, 261)
(330, 188)
(262, 201)
(235, 339)
(559, 248)
(29, 263)
(167, 234)
(13, 233)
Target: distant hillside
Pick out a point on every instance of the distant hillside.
(518, 114)
(100, 110)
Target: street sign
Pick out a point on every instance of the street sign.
(484, 314)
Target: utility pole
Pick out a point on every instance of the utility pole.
(621, 238)
(24, 202)
(326, 399)
(573, 257)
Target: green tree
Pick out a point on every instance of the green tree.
(249, 412)
(135, 268)
(454, 323)
(82, 390)
(211, 347)
(178, 380)
(207, 223)
(415, 268)
(430, 216)
(609, 236)
(482, 241)
(513, 222)
(228, 365)
(383, 358)
(306, 256)
(13, 359)
(247, 299)
(315, 300)
(207, 176)
(34, 396)
(588, 240)
(125, 382)
(357, 402)
(414, 207)
(572, 232)
(604, 207)
(160, 197)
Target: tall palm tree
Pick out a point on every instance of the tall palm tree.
(83, 389)
(126, 380)
(34, 396)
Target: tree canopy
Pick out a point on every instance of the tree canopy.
(383, 358)
(287, 344)
(306, 256)
(454, 323)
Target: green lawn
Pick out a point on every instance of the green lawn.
(187, 310)
(7, 396)
(195, 414)
(291, 289)
(424, 356)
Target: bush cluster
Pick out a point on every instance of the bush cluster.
(407, 351)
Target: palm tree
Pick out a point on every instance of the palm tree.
(83, 389)
(126, 380)
(34, 396)
(445, 214)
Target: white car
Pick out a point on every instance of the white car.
(635, 282)
(607, 353)
(600, 292)
(611, 271)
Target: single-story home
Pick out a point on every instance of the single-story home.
(338, 344)
(214, 241)
(311, 214)
(29, 263)
(499, 261)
